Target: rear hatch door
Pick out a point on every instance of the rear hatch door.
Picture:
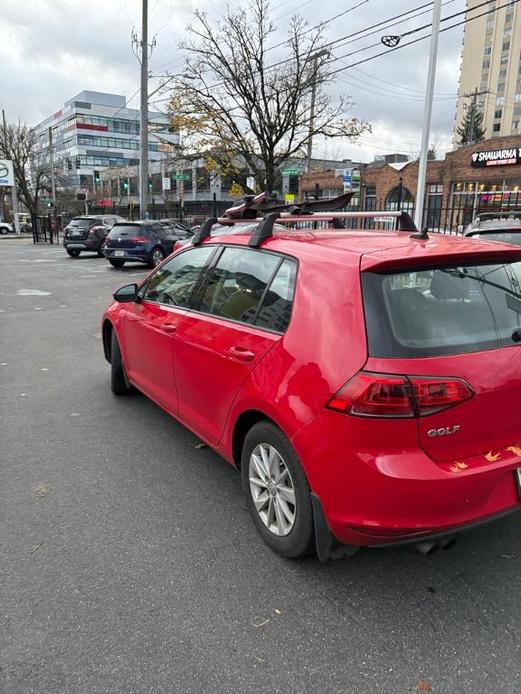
(461, 321)
(78, 229)
(125, 236)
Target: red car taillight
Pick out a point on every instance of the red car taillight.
(388, 395)
(139, 239)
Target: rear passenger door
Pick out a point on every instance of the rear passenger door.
(226, 334)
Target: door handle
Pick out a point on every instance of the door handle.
(169, 327)
(241, 354)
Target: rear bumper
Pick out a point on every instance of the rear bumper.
(375, 495)
(130, 255)
(85, 245)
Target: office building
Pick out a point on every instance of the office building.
(491, 64)
(95, 130)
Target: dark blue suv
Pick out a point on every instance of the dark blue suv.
(146, 241)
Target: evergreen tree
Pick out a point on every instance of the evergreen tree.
(471, 128)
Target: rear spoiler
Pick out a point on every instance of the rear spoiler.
(416, 259)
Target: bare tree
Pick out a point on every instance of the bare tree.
(239, 104)
(19, 142)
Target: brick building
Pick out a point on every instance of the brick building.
(471, 179)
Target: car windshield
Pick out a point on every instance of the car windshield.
(513, 237)
(82, 223)
(125, 230)
(442, 310)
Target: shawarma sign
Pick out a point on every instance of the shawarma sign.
(496, 157)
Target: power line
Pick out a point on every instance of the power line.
(421, 38)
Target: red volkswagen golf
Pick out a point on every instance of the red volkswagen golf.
(366, 383)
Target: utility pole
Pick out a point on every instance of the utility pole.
(14, 195)
(51, 160)
(427, 114)
(312, 114)
(143, 128)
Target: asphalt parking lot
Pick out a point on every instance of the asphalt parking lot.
(129, 564)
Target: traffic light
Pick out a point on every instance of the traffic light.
(69, 165)
(50, 203)
(149, 184)
(78, 162)
(96, 177)
(125, 185)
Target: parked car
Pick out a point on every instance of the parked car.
(365, 383)
(148, 241)
(6, 228)
(88, 233)
(505, 228)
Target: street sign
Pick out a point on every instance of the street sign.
(250, 182)
(289, 198)
(291, 172)
(167, 183)
(182, 177)
(6, 172)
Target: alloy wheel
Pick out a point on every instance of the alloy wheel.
(157, 256)
(272, 489)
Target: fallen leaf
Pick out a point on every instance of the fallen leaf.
(200, 445)
(41, 490)
(278, 611)
(507, 556)
(492, 457)
(36, 547)
(516, 450)
(423, 686)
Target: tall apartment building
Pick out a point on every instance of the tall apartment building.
(94, 130)
(491, 62)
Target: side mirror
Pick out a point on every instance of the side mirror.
(126, 294)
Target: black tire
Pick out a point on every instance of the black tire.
(156, 256)
(299, 541)
(116, 263)
(73, 252)
(4, 230)
(100, 252)
(118, 379)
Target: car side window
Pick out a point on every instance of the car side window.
(237, 284)
(275, 311)
(173, 283)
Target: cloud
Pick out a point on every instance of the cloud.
(53, 49)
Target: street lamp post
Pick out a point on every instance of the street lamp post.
(427, 114)
(391, 42)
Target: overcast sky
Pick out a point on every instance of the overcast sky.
(52, 49)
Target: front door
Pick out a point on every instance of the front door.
(150, 325)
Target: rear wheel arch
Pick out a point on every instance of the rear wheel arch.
(244, 422)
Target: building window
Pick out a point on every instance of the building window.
(505, 46)
(501, 88)
(500, 100)
(498, 113)
(517, 98)
(400, 198)
(515, 125)
(496, 127)
(502, 74)
(487, 50)
(485, 64)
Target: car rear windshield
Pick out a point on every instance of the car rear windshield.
(442, 310)
(504, 236)
(125, 230)
(82, 223)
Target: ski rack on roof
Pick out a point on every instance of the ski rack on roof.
(264, 229)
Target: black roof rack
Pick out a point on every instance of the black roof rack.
(264, 230)
(204, 231)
